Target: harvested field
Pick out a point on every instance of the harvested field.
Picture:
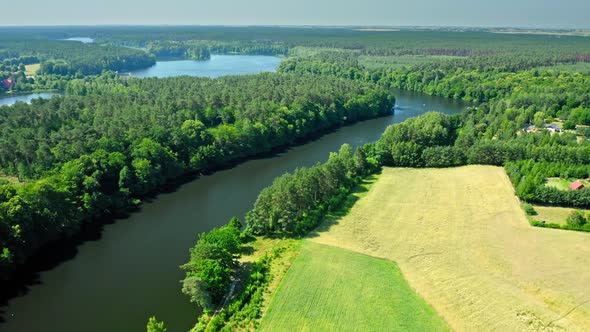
(464, 244)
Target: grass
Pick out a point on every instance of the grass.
(554, 215)
(332, 289)
(580, 67)
(5, 179)
(563, 184)
(377, 62)
(31, 70)
(463, 242)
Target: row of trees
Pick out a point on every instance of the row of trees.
(178, 50)
(296, 203)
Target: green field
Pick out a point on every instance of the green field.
(580, 67)
(333, 289)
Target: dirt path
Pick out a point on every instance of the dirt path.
(463, 242)
(226, 299)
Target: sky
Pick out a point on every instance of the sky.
(473, 13)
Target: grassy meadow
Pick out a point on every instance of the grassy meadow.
(553, 214)
(31, 70)
(333, 289)
(463, 242)
(563, 184)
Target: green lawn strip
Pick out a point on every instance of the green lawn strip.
(333, 289)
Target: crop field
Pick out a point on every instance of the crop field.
(463, 242)
(333, 289)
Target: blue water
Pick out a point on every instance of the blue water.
(26, 98)
(84, 40)
(219, 65)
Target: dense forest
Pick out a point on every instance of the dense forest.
(71, 58)
(114, 139)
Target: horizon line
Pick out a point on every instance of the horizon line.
(298, 26)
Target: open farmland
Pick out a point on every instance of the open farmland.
(332, 289)
(464, 244)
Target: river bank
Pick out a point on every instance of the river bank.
(129, 257)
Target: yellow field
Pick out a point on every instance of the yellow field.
(31, 70)
(463, 242)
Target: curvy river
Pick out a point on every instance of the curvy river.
(131, 271)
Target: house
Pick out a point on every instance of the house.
(576, 185)
(8, 83)
(553, 128)
(530, 129)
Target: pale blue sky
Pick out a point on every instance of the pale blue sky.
(514, 13)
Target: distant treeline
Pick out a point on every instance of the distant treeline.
(72, 58)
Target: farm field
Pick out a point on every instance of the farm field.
(333, 289)
(464, 244)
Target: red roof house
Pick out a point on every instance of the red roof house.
(8, 83)
(576, 185)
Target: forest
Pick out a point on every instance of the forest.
(112, 140)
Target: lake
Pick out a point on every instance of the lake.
(25, 98)
(84, 40)
(130, 272)
(218, 65)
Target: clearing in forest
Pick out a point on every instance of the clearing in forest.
(31, 70)
(464, 244)
(554, 214)
(333, 289)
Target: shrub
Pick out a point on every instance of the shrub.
(576, 219)
(530, 210)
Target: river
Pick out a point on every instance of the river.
(117, 282)
(25, 98)
(130, 272)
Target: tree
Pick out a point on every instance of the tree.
(154, 325)
(406, 154)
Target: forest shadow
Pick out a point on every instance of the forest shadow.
(333, 218)
(49, 256)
